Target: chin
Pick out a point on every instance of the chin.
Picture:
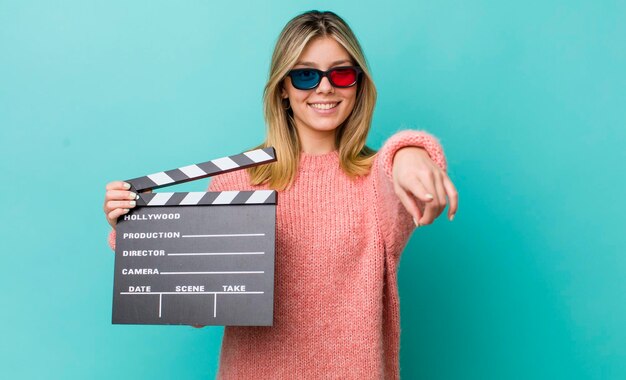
(325, 127)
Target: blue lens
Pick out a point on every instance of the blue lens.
(304, 78)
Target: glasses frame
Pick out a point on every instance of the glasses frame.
(323, 74)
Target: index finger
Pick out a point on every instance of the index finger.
(453, 196)
(118, 185)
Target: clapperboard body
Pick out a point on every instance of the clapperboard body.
(197, 258)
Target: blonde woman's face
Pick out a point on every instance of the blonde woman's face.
(310, 106)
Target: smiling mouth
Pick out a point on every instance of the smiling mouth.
(324, 106)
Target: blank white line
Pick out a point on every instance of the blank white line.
(140, 293)
(215, 253)
(214, 305)
(160, 302)
(224, 235)
(237, 272)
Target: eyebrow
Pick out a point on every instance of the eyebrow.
(313, 64)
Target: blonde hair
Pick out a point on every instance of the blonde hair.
(355, 157)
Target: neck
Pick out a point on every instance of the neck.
(317, 142)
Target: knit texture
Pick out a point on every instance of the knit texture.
(338, 246)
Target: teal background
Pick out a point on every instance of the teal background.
(527, 98)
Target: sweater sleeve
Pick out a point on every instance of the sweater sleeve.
(111, 239)
(396, 224)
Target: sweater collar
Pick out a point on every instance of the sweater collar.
(330, 159)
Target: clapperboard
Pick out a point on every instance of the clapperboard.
(197, 258)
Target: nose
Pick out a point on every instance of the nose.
(325, 86)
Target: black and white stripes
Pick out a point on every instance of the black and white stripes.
(213, 198)
(205, 169)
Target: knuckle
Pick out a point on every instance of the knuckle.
(397, 188)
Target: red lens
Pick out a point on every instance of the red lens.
(343, 77)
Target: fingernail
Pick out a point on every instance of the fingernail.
(451, 217)
(429, 196)
(133, 195)
(416, 223)
(126, 210)
(132, 203)
(126, 185)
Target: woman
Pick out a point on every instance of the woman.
(344, 213)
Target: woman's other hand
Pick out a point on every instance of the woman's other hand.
(417, 177)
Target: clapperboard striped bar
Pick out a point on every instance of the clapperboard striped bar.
(207, 198)
(203, 170)
(194, 258)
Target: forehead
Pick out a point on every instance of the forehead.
(323, 52)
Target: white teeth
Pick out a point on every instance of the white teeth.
(323, 106)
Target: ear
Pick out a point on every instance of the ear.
(283, 91)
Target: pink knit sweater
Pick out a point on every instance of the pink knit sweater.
(338, 244)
